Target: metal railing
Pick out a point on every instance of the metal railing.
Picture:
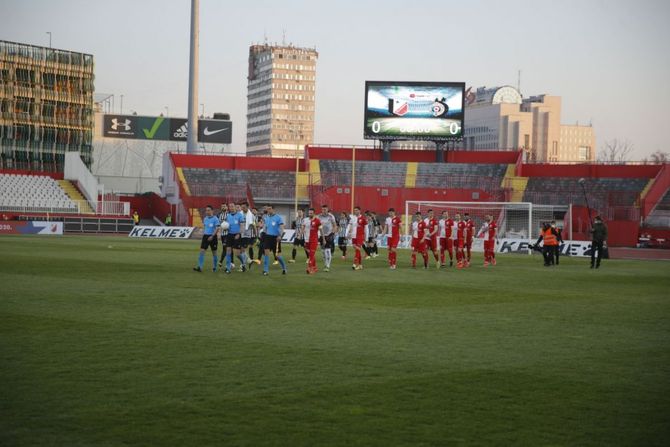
(112, 208)
(51, 208)
(78, 207)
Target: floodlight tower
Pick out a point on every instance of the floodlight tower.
(192, 140)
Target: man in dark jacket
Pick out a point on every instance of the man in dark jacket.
(599, 237)
(559, 237)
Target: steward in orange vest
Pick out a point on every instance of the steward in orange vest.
(548, 235)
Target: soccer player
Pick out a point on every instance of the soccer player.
(343, 225)
(373, 229)
(248, 225)
(260, 222)
(311, 227)
(274, 229)
(443, 230)
(392, 231)
(451, 236)
(328, 231)
(254, 236)
(432, 241)
(359, 228)
(469, 234)
(489, 231)
(223, 214)
(459, 242)
(209, 238)
(419, 234)
(299, 237)
(234, 238)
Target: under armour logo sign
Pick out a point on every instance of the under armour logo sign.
(124, 124)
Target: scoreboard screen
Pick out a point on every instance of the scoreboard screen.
(414, 110)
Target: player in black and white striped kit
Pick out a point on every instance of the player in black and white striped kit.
(370, 247)
(299, 237)
(342, 225)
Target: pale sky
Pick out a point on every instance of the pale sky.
(608, 59)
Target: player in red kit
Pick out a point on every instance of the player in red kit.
(469, 235)
(392, 231)
(433, 240)
(459, 241)
(489, 230)
(419, 235)
(311, 231)
(360, 225)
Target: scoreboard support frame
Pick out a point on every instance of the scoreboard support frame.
(386, 150)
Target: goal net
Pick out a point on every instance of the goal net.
(515, 220)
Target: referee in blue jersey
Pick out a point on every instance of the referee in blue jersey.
(211, 227)
(274, 229)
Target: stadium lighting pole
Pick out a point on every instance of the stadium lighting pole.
(192, 140)
(297, 165)
(353, 176)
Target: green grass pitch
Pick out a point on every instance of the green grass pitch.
(113, 341)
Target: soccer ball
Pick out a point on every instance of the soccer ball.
(225, 225)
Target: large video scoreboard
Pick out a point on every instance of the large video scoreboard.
(414, 110)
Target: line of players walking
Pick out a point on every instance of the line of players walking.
(240, 227)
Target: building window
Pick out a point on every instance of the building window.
(584, 153)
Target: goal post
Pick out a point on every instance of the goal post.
(515, 220)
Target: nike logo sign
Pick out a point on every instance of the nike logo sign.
(212, 132)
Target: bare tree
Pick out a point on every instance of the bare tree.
(615, 151)
(660, 157)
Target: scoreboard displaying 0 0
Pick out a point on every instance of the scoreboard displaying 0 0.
(414, 110)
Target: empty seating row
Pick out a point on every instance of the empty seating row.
(368, 173)
(33, 193)
(220, 182)
(660, 216)
(460, 175)
(590, 184)
(664, 203)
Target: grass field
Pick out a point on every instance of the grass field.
(112, 341)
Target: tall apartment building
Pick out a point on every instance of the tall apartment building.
(500, 118)
(46, 106)
(280, 100)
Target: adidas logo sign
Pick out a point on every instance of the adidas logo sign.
(182, 132)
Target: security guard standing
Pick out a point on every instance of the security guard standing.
(598, 239)
(550, 242)
(559, 238)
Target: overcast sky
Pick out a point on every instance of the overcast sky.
(608, 59)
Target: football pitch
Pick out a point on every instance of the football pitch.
(112, 341)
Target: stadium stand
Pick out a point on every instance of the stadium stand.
(660, 216)
(219, 182)
(602, 192)
(460, 175)
(368, 173)
(624, 194)
(34, 193)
